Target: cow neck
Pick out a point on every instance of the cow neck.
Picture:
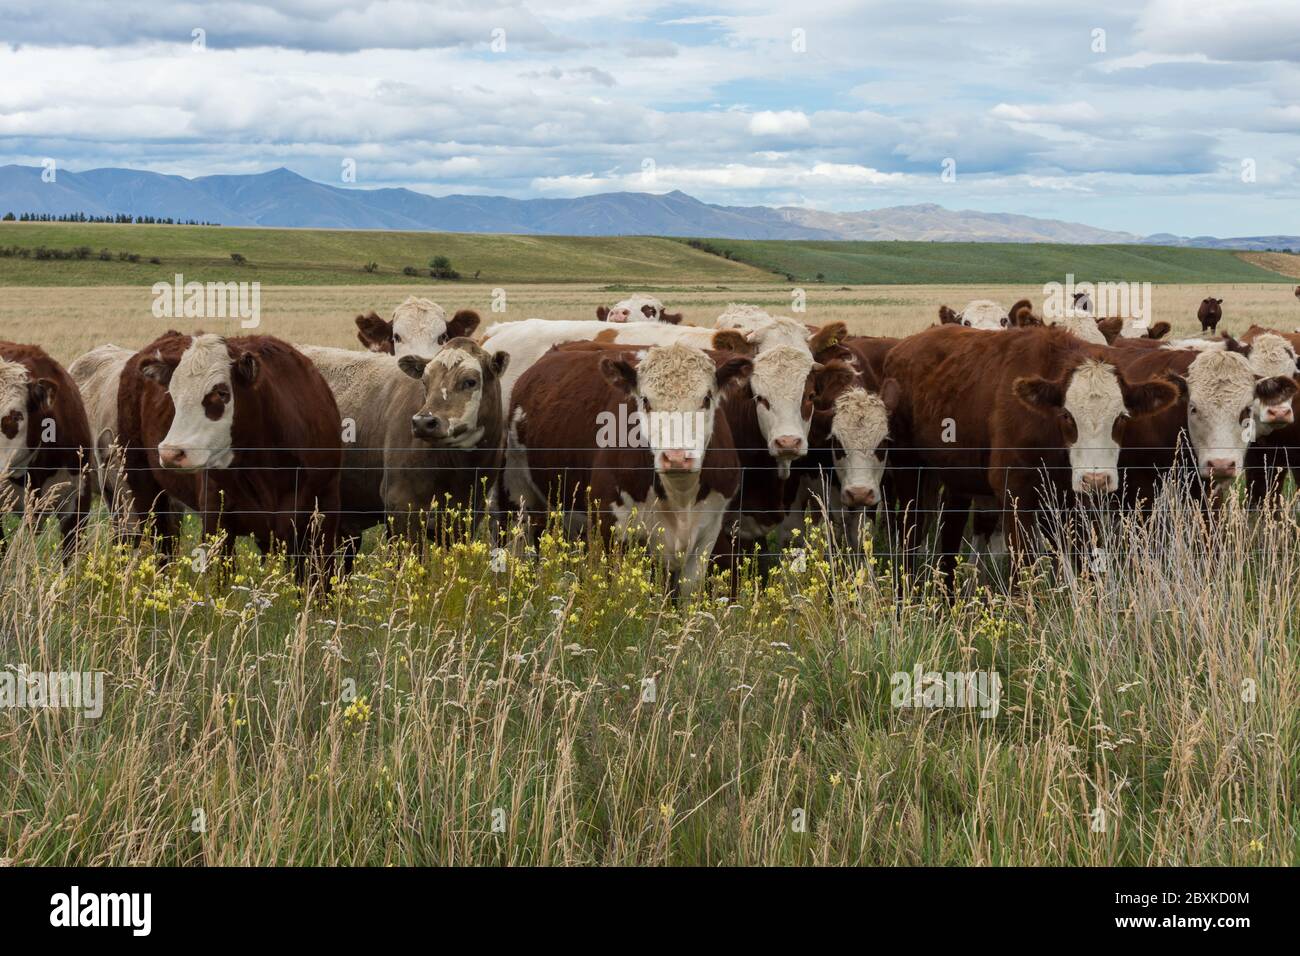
(681, 491)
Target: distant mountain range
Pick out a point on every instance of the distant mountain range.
(285, 199)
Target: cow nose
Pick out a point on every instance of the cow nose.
(788, 445)
(425, 425)
(1279, 413)
(617, 315)
(1095, 481)
(858, 496)
(171, 456)
(676, 460)
(1222, 468)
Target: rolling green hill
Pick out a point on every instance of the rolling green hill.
(338, 257)
(923, 263)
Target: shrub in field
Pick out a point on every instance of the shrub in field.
(463, 703)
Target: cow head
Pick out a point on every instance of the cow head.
(23, 403)
(784, 389)
(1270, 356)
(202, 386)
(1022, 315)
(858, 436)
(418, 327)
(676, 389)
(1091, 406)
(978, 314)
(1221, 391)
(1082, 303)
(638, 309)
(462, 393)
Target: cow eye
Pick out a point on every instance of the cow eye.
(965, 322)
(396, 337)
(1191, 409)
(469, 383)
(442, 338)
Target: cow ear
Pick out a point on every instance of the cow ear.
(499, 362)
(602, 312)
(731, 340)
(620, 373)
(413, 365)
(1275, 391)
(247, 367)
(375, 333)
(462, 324)
(157, 370)
(1180, 383)
(1219, 301)
(1147, 398)
(40, 395)
(831, 379)
(890, 393)
(1159, 330)
(828, 335)
(948, 317)
(1232, 345)
(733, 373)
(1110, 329)
(672, 318)
(1040, 394)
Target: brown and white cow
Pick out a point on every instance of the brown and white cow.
(669, 479)
(996, 415)
(1217, 410)
(98, 374)
(777, 385)
(1277, 450)
(416, 430)
(45, 443)
(1210, 314)
(419, 326)
(243, 430)
(637, 308)
(978, 314)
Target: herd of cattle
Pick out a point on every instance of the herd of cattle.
(702, 441)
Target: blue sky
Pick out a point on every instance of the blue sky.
(1146, 117)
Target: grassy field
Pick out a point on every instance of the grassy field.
(913, 263)
(561, 709)
(69, 321)
(566, 710)
(339, 257)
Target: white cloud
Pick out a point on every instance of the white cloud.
(784, 123)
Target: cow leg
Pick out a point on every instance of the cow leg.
(951, 530)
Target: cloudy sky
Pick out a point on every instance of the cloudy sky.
(1165, 116)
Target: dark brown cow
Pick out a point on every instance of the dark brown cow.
(1210, 314)
(45, 438)
(991, 410)
(243, 430)
(638, 438)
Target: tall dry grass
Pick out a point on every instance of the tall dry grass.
(560, 708)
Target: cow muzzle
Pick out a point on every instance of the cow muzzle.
(787, 447)
(858, 496)
(1220, 469)
(1278, 414)
(429, 427)
(618, 315)
(1097, 482)
(676, 459)
(170, 456)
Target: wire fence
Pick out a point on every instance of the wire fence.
(923, 510)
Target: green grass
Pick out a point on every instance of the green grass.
(926, 263)
(436, 710)
(338, 257)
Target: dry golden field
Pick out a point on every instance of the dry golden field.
(68, 321)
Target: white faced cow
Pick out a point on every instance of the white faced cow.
(638, 308)
(418, 327)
